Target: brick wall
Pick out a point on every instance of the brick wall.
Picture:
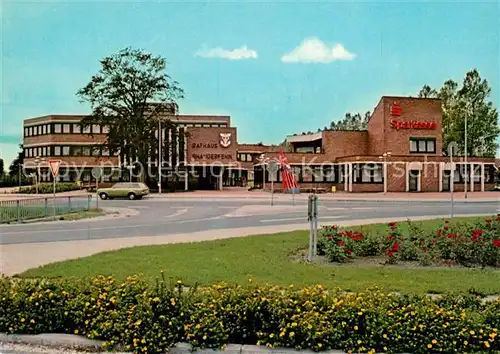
(344, 143)
(204, 146)
(54, 139)
(78, 161)
(367, 187)
(376, 130)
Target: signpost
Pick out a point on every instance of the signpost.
(272, 168)
(451, 150)
(54, 168)
(312, 217)
(97, 174)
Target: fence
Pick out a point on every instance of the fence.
(38, 208)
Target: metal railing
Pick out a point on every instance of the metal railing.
(40, 208)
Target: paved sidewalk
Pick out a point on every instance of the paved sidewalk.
(17, 258)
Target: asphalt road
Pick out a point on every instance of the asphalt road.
(157, 216)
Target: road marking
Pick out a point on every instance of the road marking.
(138, 207)
(362, 208)
(332, 209)
(177, 213)
(302, 218)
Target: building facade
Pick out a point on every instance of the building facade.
(401, 150)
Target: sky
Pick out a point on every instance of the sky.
(276, 67)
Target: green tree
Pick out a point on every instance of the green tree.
(2, 167)
(130, 94)
(471, 100)
(351, 122)
(17, 162)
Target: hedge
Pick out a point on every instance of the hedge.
(150, 319)
(45, 188)
(466, 243)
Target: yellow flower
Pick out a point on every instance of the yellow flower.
(22, 320)
(76, 331)
(294, 324)
(465, 342)
(429, 346)
(434, 341)
(309, 326)
(32, 321)
(493, 335)
(360, 313)
(291, 334)
(487, 344)
(385, 336)
(472, 333)
(359, 341)
(356, 328)
(204, 337)
(271, 335)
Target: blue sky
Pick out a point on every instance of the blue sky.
(257, 75)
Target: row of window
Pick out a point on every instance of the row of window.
(67, 150)
(423, 145)
(245, 157)
(362, 173)
(461, 174)
(76, 128)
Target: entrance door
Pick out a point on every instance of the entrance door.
(413, 180)
(446, 181)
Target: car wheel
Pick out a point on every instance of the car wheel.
(132, 196)
(103, 196)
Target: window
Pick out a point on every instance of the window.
(329, 173)
(65, 150)
(44, 151)
(96, 129)
(48, 128)
(44, 129)
(85, 150)
(57, 128)
(368, 173)
(57, 151)
(318, 174)
(27, 152)
(96, 151)
(77, 128)
(423, 145)
(105, 151)
(249, 158)
(86, 129)
(26, 131)
(66, 128)
(76, 151)
(197, 125)
(105, 129)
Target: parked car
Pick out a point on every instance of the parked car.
(130, 190)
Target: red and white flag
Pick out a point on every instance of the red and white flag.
(289, 180)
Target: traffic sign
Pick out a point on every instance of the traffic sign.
(54, 166)
(96, 172)
(272, 167)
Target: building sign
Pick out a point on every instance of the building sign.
(396, 109)
(225, 139)
(209, 156)
(413, 124)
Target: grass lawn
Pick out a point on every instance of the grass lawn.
(270, 258)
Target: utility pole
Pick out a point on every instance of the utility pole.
(465, 155)
(159, 156)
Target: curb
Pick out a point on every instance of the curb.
(58, 341)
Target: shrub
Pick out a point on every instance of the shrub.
(45, 188)
(150, 319)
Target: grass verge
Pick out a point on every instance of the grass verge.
(270, 259)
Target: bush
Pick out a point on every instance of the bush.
(468, 244)
(150, 319)
(46, 188)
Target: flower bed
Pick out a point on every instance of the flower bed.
(468, 244)
(151, 319)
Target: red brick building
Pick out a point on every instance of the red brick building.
(401, 150)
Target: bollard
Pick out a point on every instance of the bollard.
(18, 211)
(69, 204)
(88, 201)
(46, 208)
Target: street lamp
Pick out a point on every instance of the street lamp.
(37, 162)
(384, 157)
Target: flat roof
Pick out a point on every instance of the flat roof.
(304, 137)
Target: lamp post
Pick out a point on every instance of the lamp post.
(159, 155)
(384, 157)
(465, 156)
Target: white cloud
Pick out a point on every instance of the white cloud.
(241, 53)
(313, 50)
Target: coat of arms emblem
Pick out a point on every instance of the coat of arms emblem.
(225, 139)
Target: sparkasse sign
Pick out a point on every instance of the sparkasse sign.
(413, 124)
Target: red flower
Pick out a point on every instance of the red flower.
(349, 252)
(496, 243)
(390, 237)
(340, 243)
(476, 234)
(446, 227)
(438, 232)
(330, 237)
(390, 254)
(453, 236)
(395, 247)
(425, 249)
